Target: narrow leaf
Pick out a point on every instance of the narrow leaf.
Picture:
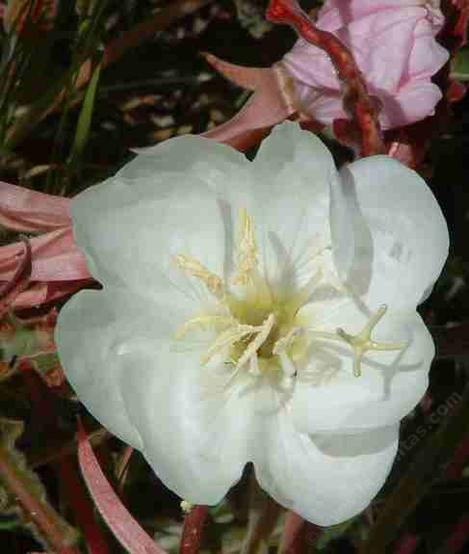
(86, 116)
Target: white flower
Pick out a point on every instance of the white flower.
(258, 312)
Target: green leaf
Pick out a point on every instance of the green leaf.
(460, 65)
(86, 116)
(9, 523)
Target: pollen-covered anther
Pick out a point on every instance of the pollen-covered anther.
(186, 506)
(193, 267)
(363, 342)
(203, 321)
(247, 250)
(236, 332)
(281, 347)
(262, 333)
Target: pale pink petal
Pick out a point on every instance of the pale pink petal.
(337, 13)
(27, 210)
(325, 105)
(43, 293)
(369, 39)
(267, 106)
(69, 266)
(251, 78)
(381, 46)
(55, 258)
(394, 46)
(311, 66)
(412, 103)
(427, 56)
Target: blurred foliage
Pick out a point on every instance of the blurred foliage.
(61, 132)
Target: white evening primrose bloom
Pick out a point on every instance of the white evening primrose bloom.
(258, 312)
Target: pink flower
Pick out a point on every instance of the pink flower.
(393, 42)
(394, 45)
(58, 266)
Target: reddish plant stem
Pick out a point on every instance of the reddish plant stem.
(459, 461)
(293, 536)
(356, 100)
(407, 544)
(298, 535)
(124, 527)
(458, 536)
(452, 342)
(192, 531)
(19, 281)
(82, 507)
(57, 533)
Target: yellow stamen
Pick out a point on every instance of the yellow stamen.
(283, 343)
(227, 338)
(203, 321)
(213, 282)
(247, 251)
(263, 331)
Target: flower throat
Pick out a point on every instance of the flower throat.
(258, 329)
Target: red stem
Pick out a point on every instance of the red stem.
(293, 536)
(459, 536)
(459, 461)
(58, 534)
(355, 95)
(192, 531)
(407, 544)
(83, 508)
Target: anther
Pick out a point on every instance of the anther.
(186, 506)
(247, 250)
(227, 338)
(262, 332)
(213, 282)
(203, 321)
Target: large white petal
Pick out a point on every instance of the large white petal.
(329, 398)
(325, 479)
(290, 202)
(165, 202)
(390, 238)
(197, 436)
(88, 332)
(119, 354)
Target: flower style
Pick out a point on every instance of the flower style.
(258, 312)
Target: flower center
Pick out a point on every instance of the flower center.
(258, 328)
